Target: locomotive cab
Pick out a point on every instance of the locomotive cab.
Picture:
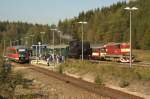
(23, 55)
(75, 49)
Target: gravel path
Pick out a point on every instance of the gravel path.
(52, 88)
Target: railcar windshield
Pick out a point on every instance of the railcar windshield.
(22, 52)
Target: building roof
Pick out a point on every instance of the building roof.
(57, 46)
(18, 47)
(97, 45)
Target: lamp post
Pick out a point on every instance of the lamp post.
(21, 41)
(82, 23)
(10, 42)
(39, 49)
(32, 38)
(26, 40)
(4, 48)
(53, 42)
(60, 41)
(42, 34)
(53, 39)
(36, 55)
(15, 42)
(130, 10)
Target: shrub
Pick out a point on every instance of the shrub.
(138, 75)
(98, 80)
(142, 74)
(124, 83)
(9, 81)
(61, 69)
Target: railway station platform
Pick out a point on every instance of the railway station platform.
(43, 64)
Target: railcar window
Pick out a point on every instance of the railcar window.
(11, 51)
(118, 46)
(95, 49)
(103, 50)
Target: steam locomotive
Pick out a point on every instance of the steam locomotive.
(75, 49)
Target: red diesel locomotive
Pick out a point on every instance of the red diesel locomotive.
(18, 54)
(112, 51)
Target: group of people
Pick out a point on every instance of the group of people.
(54, 59)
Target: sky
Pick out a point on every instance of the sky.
(47, 11)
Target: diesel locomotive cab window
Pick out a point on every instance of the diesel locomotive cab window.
(22, 54)
(21, 50)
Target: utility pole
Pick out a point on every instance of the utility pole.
(54, 44)
(4, 49)
(10, 43)
(60, 41)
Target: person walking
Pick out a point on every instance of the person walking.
(48, 61)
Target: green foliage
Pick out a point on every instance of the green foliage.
(124, 83)
(27, 97)
(12, 31)
(142, 74)
(108, 72)
(61, 69)
(111, 24)
(142, 55)
(98, 80)
(108, 24)
(8, 82)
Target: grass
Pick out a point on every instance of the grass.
(142, 55)
(108, 71)
(98, 80)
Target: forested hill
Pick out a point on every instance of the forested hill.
(108, 24)
(111, 24)
(12, 31)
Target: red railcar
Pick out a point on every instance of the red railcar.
(112, 51)
(117, 48)
(18, 54)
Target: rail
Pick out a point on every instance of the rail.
(99, 90)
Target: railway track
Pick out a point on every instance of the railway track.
(93, 88)
(137, 64)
